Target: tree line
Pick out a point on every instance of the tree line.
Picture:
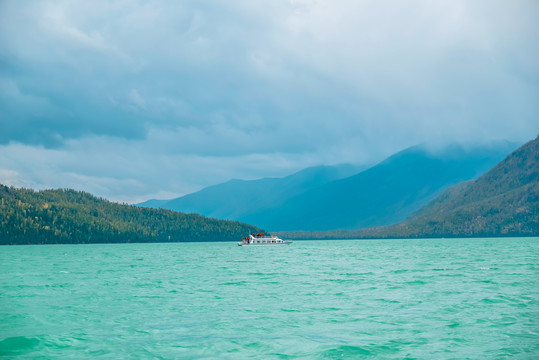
(67, 216)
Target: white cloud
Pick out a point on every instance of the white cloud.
(11, 178)
(136, 99)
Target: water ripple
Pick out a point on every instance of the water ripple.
(454, 298)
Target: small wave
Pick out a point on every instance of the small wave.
(241, 283)
(491, 301)
(486, 281)
(388, 301)
(17, 345)
(416, 282)
(401, 271)
(344, 352)
(340, 281)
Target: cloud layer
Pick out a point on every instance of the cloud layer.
(129, 99)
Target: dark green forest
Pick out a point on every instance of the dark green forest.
(73, 217)
(502, 202)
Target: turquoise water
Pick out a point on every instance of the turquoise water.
(428, 299)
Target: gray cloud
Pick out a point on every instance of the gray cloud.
(164, 86)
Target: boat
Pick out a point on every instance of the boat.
(263, 239)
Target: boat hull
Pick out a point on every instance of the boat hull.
(261, 240)
(267, 244)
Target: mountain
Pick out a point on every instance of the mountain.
(384, 194)
(342, 197)
(152, 203)
(238, 199)
(502, 202)
(73, 217)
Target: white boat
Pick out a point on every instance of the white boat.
(263, 239)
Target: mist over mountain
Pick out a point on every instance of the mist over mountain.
(337, 197)
(386, 193)
(240, 198)
(502, 202)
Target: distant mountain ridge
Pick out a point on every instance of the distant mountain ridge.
(386, 193)
(502, 202)
(329, 198)
(236, 199)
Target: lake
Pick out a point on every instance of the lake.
(442, 299)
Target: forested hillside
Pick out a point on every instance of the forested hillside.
(73, 217)
(502, 202)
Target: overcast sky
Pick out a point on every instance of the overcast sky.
(132, 100)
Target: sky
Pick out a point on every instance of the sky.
(132, 100)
